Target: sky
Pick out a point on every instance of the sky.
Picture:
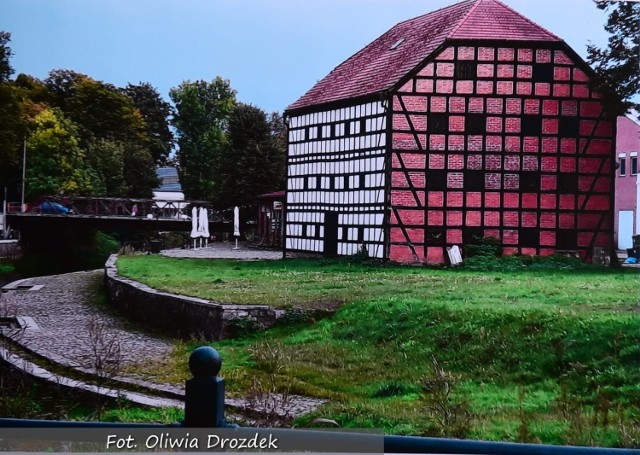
(271, 51)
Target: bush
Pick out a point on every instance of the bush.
(171, 240)
(483, 246)
(243, 326)
(495, 264)
(518, 262)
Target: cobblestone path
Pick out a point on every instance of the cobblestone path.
(64, 321)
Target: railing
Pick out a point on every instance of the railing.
(125, 207)
(204, 408)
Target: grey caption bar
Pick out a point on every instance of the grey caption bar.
(93, 440)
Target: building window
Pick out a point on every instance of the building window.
(436, 180)
(623, 166)
(466, 70)
(543, 72)
(532, 125)
(568, 184)
(476, 124)
(435, 236)
(634, 165)
(438, 123)
(569, 127)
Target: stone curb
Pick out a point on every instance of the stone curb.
(38, 372)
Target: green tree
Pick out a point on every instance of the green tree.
(55, 162)
(253, 161)
(106, 160)
(108, 122)
(100, 110)
(139, 172)
(618, 65)
(202, 111)
(33, 90)
(156, 113)
(12, 124)
(278, 131)
(6, 70)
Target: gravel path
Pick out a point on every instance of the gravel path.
(224, 250)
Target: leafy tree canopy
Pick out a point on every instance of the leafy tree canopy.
(618, 65)
(253, 162)
(202, 111)
(55, 163)
(12, 124)
(99, 109)
(156, 113)
(5, 56)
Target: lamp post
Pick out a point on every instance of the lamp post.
(24, 172)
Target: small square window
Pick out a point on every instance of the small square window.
(466, 70)
(476, 124)
(434, 236)
(438, 123)
(543, 72)
(569, 127)
(529, 237)
(472, 235)
(568, 183)
(566, 239)
(531, 125)
(530, 182)
(474, 181)
(436, 180)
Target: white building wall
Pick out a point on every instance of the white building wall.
(336, 163)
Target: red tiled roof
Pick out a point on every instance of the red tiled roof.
(377, 67)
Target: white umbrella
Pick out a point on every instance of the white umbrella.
(194, 225)
(204, 225)
(236, 224)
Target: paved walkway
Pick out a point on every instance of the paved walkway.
(225, 250)
(66, 325)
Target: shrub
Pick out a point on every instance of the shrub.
(243, 326)
(483, 246)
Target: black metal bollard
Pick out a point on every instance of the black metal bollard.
(204, 393)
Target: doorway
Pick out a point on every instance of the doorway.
(330, 234)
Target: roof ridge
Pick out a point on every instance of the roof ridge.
(464, 18)
(456, 3)
(523, 17)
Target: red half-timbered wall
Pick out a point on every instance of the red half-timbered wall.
(504, 140)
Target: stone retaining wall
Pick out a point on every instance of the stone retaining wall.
(182, 316)
(9, 249)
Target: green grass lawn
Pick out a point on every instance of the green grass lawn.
(544, 353)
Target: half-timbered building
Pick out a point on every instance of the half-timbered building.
(468, 121)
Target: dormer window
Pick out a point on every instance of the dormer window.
(395, 45)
